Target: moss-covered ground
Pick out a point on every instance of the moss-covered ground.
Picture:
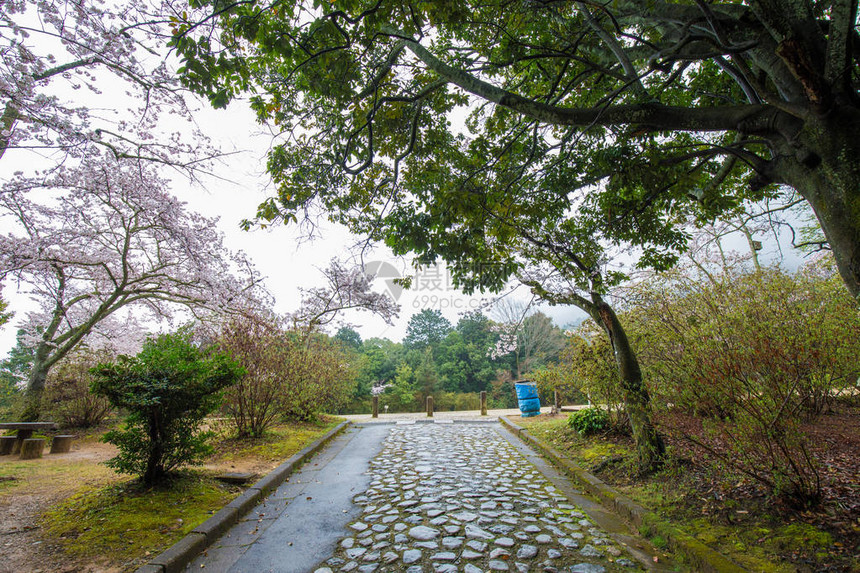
(97, 520)
(753, 530)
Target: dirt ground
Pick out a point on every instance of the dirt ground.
(23, 548)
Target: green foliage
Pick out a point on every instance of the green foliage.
(589, 421)
(379, 153)
(5, 315)
(17, 364)
(14, 370)
(400, 396)
(426, 380)
(587, 369)
(167, 390)
(456, 401)
(502, 393)
(349, 337)
(10, 396)
(462, 358)
(427, 328)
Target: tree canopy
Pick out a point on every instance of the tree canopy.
(427, 328)
(628, 113)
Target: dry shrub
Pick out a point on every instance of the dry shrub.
(68, 394)
(754, 355)
(287, 375)
(256, 400)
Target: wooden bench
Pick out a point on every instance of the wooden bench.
(25, 431)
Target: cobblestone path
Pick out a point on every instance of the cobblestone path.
(463, 499)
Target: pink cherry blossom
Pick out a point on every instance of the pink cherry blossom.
(348, 287)
(88, 241)
(59, 56)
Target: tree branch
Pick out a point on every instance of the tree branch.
(651, 115)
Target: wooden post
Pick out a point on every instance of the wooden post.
(7, 444)
(374, 412)
(484, 403)
(429, 406)
(32, 448)
(61, 444)
(556, 408)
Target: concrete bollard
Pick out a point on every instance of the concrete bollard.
(374, 409)
(483, 403)
(429, 406)
(32, 448)
(7, 444)
(61, 444)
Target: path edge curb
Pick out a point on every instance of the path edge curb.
(693, 552)
(176, 557)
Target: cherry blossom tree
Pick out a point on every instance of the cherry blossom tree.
(61, 60)
(91, 240)
(347, 288)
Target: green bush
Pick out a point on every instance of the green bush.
(167, 390)
(589, 421)
(318, 376)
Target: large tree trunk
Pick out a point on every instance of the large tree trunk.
(36, 385)
(823, 166)
(649, 445)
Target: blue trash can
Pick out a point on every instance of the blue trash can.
(527, 396)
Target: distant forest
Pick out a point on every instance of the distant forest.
(453, 363)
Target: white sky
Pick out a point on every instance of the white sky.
(287, 262)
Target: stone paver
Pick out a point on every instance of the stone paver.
(462, 498)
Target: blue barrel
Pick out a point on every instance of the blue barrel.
(527, 396)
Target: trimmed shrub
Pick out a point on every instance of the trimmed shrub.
(589, 421)
(167, 390)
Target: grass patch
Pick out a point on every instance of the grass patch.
(279, 442)
(126, 521)
(55, 474)
(586, 451)
(753, 532)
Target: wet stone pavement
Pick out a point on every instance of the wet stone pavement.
(461, 498)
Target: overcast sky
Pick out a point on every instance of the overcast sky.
(287, 260)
